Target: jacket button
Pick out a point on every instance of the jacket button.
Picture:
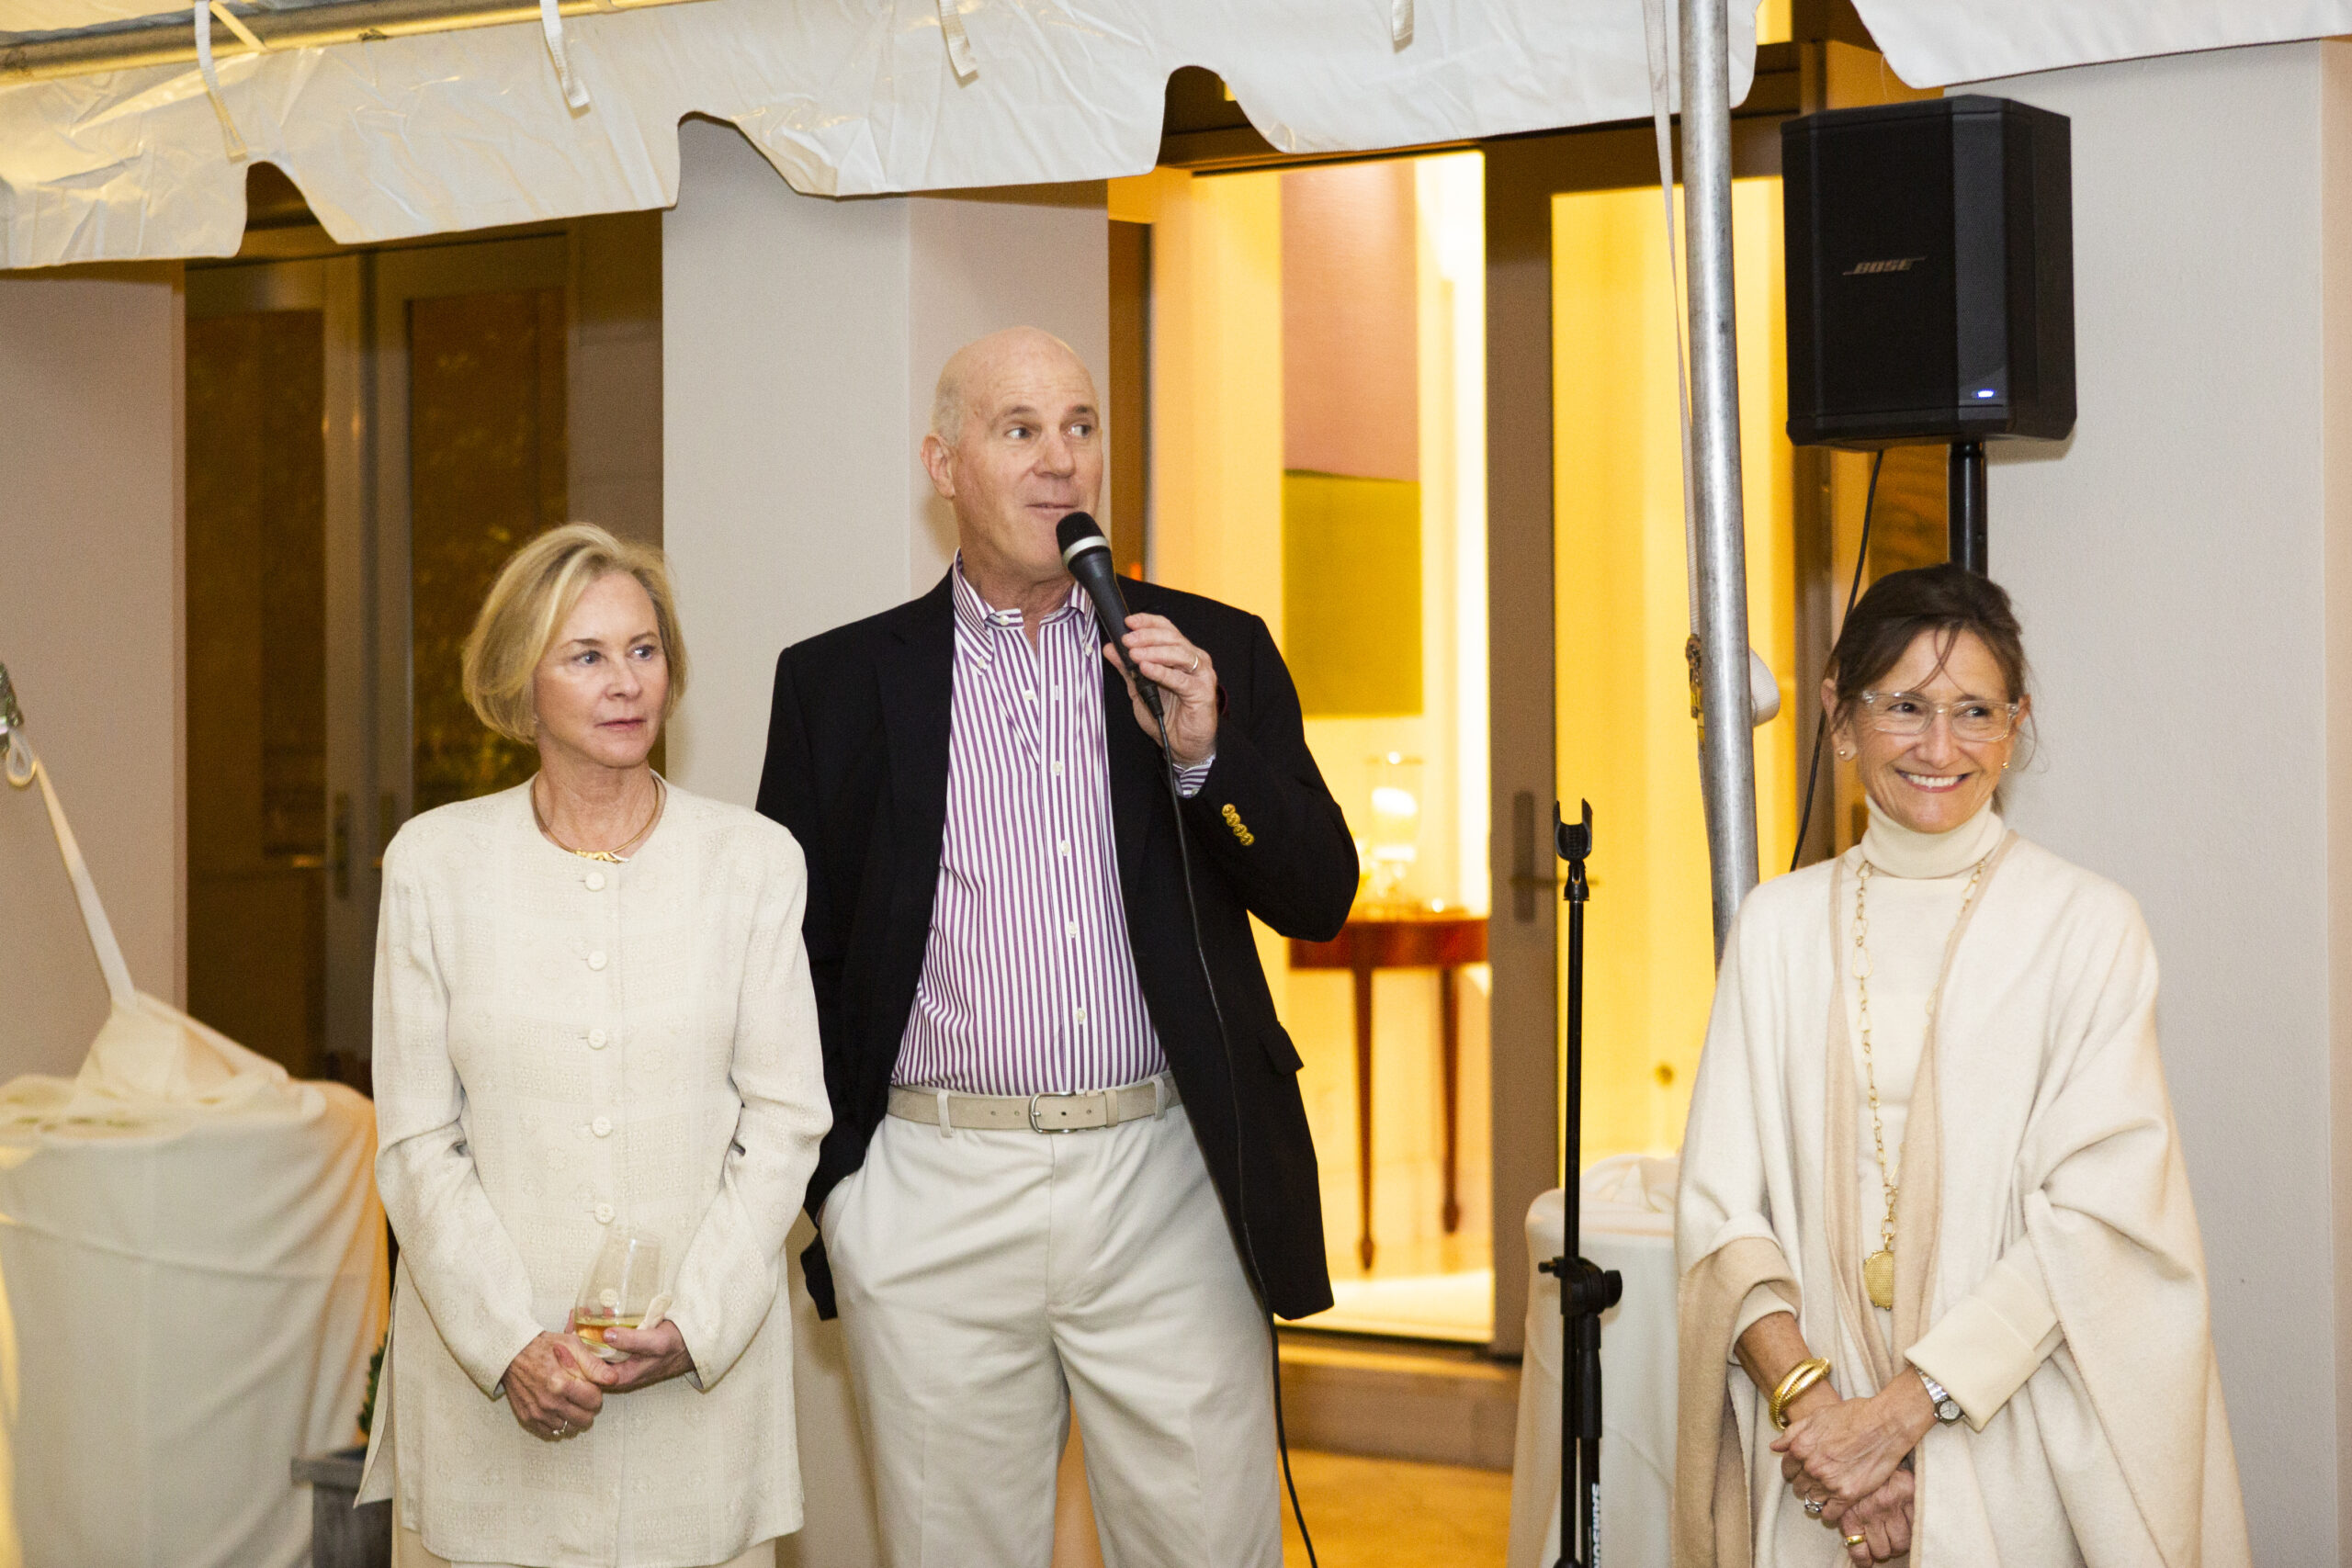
(604, 1214)
(595, 882)
(595, 1040)
(602, 1126)
(596, 959)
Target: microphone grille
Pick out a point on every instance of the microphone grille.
(1077, 531)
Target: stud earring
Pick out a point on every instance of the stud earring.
(1843, 753)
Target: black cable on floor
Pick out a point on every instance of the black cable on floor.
(1862, 554)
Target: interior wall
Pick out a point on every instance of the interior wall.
(1032, 255)
(801, 338)
(91, 387)
(2181, 569)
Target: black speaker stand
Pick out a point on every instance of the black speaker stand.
(1965, 502)
(1585, 1289)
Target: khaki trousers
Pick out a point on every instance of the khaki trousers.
(990, 1281)
(409, 1551)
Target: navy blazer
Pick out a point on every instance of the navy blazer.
(857, 769)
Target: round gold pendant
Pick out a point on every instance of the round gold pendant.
(1878, 1278)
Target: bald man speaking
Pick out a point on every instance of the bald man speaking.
(1049, 1182)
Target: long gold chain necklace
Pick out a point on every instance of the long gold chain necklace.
(618, 854)
(1878, 1269)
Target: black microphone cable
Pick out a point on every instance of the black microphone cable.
(1862, 554)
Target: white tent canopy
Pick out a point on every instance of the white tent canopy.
(1933, 43)
(411, 135)
(406, 135)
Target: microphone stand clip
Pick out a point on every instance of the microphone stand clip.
(1587, 1289)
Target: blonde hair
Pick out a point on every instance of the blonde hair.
(535, 593)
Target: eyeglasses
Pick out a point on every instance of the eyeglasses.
(1973, 719)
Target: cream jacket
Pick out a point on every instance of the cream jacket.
(2039, 1143)
(564, 1047)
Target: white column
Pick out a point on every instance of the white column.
(801, 339)
(91, 383)
(2181, 570)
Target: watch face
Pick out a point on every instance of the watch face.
(1948, 1409)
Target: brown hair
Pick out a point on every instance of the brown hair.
(528, 604)
(1947, 600)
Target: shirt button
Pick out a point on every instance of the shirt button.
(595, 1040)
(1028, 696)
(595, 882)
(602, 1126)
(604, 1214)
(1082, 1015)
(1073, 928)
(1063, 848)
(1057, 769)
(596, 959)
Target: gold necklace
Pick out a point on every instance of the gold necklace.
(618, 853)
(1878, 1269)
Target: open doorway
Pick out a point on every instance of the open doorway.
(1317, 456)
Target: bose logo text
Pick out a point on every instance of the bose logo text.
(1900, 263)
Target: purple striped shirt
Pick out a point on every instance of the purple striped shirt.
(1028, 984)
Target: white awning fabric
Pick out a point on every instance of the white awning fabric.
(1935, 43)
(414, 135)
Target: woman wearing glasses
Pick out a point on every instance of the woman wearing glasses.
(1941, 1286)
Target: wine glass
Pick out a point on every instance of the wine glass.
(620, 1290)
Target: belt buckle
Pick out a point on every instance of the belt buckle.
(1035, 1125)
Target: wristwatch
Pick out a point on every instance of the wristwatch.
(1947, 1407)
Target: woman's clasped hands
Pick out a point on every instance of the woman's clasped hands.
(1846, 1456)
(556, 1385)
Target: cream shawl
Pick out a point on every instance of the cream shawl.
(2040, 1121)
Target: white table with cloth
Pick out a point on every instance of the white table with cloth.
(1628, 1224)
(192, 1281)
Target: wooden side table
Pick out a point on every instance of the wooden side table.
(1371, 942)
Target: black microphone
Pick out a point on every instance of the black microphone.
(1086, 554)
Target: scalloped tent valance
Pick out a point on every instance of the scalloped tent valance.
(411, 135)
(390, 137)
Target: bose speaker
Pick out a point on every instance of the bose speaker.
(1930, 272)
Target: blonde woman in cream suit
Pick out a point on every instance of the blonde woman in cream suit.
(1941, 1293)
(592, 1014)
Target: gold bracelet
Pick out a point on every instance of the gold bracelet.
(1801, 1376)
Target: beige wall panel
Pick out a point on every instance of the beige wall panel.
(1019, 258)
(2179, 567)
(90, 626)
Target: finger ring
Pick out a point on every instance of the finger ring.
(1814, 1505)
(1858, 1539)
(1194, 668)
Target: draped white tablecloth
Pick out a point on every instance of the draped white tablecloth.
(188, 1299)
(1628, 1224)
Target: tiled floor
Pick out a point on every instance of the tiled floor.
(1386, 1513)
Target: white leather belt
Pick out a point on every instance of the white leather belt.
(1033, 1113)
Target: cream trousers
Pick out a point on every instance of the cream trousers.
(409, 1551)
(990, 1282)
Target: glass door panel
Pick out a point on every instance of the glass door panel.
(474, 362)
(257, 677)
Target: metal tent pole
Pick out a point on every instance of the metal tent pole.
(1726, 747)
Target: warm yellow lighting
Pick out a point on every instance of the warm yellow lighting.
(1626, 741)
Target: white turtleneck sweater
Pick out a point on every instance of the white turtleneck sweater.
(1984, 1348)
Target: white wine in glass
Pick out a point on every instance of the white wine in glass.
(619, 1291)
